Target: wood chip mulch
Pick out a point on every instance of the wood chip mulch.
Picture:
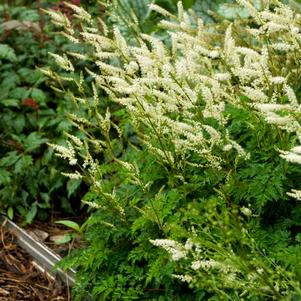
(20, 277)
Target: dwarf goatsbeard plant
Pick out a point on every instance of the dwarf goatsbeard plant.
(176, 99)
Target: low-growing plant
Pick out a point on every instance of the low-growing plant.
(190, 150)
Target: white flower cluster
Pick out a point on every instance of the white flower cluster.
(168, 92)
(65, 152)
(295, 194)
(74, 176)
(176, 250)
(79, 12)
(293, 156)
(63, 62)
(195, 254)
(176, 94)
(59, 19)
(183, 278)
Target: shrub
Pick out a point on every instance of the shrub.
(31, 115)
(192, 151)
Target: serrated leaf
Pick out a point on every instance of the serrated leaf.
(23, 164)
(29, 15)
(38, 95)
(7, 53)
(19, 93)
(18, 166)
(10, 102)
(19, 123)
(4, 177)
(31, 76)
(63, 125)
(47, 156)
(70, 224)
(10, 80)
(33, 141)
(42, 122)
(9, 159)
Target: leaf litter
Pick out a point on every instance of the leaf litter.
(20, 276)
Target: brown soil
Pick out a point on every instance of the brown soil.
(20, 278)
(54, 230)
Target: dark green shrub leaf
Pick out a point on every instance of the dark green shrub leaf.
(4, 177)
(31, 213)
(10, 159)
(72, 185)
(7, 53)
(11, 80)
(19, 123)
(10, 102)
(22, 165)
(20, 93)
(45, 197)
(30, 15)
(33, 141)
(38, 95)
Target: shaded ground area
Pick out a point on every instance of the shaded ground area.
(49, 232)
(20, 278)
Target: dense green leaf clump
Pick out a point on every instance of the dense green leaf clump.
(31, 115)
(189, 143)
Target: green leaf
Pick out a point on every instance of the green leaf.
(72, 185)
(33, 141)
(70, 224)
(43, 122)
(10, 80)
(64, 125)
(64, 239)
(4, 177)
(23, 164)
(10, 102)
(29, 15)
(46, 199)
(47, 156)
(10, 212)
(31, 76)
(10, 159)
(31, 213)
(20, 93)
(18, 166)
(19, 123)
(187, 3)
(66, 206)
(38, 95)
(7, 53)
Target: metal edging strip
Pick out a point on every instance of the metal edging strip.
(44, 256)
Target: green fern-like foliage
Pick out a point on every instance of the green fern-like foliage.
(184, 148)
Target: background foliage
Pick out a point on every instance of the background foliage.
(32, 114)
(237, 226)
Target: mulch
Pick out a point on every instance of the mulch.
(20, 277)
